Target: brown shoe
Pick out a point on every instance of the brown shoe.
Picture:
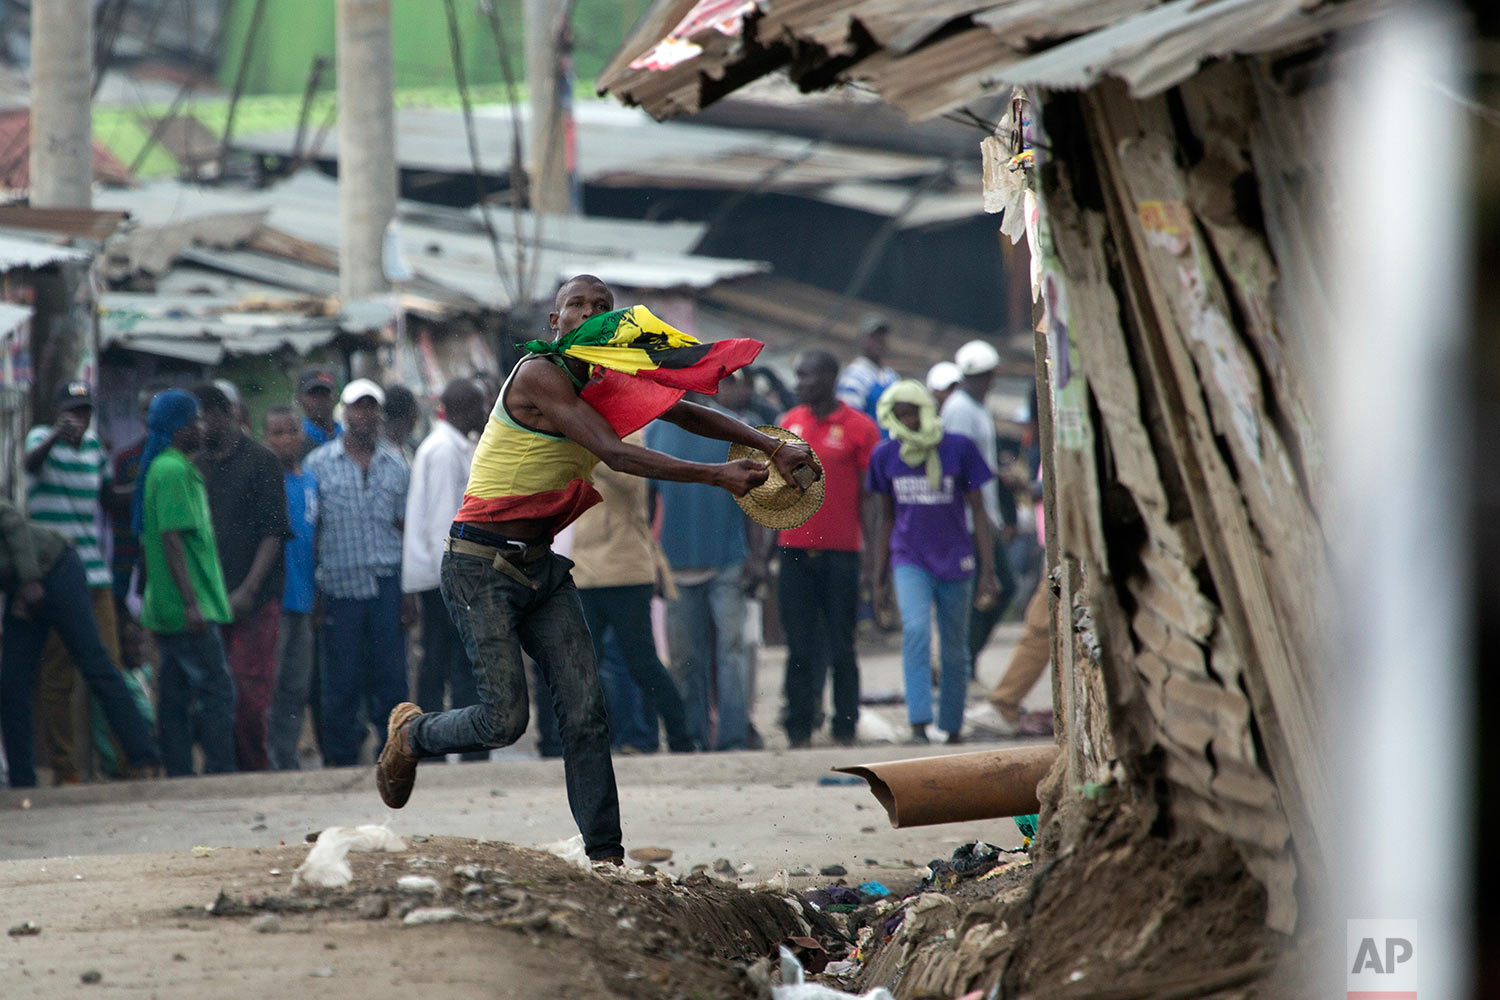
(396, 771)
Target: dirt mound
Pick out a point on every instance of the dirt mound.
(649, 935)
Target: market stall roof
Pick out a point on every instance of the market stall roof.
(18, 251)
(931, 58)
(287, 237)
(206, 329)
(623, 148)
(615, 143)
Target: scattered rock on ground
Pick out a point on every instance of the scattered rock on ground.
(833, 871)
(92, 976)
(373, 908)
(266, 923)
(651, 855)
(28, 929)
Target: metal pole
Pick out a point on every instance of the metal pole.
(246, 51)
(62, 55)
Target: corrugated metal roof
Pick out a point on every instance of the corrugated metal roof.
(1164, 45)
(18, 252)
(87, 223)
(15, 154)
(446, 248)
(206, 329)
(615, 142)
(930, 58)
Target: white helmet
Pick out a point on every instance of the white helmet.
(977, 357)
(943, 375)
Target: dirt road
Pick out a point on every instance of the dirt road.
(105, 870)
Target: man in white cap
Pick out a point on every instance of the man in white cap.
(942, 379)
(963, 412)
(362, 484)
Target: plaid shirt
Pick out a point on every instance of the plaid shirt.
(359, 511)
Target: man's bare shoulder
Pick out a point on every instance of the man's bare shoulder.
(538, 377)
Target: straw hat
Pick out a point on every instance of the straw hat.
(777, 503)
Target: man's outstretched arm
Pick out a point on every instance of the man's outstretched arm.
(707, 422)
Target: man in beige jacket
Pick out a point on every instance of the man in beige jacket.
(615, 565)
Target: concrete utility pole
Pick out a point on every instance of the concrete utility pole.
(62, 65)
(548, 76)
(367, 145)
(367, 159)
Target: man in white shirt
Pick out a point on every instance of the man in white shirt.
(963, 413)
(438, 476)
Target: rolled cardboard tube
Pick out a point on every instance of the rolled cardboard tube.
(928, 790)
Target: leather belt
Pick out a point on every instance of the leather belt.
(504, 560)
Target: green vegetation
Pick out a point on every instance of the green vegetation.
(293, 33)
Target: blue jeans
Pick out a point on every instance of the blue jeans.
(196, 700)
(706, 624)
(364, 665)
(632, 722)
(498, 617)
(917, 593)
(627, 610)
(67, 607)
(445, 666)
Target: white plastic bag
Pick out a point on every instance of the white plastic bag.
(325, 866)
(794, 988)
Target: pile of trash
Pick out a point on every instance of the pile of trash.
(874, 921)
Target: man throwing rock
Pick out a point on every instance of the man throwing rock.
(564, 409)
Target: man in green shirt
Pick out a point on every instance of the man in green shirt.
(185, 602)
(46, 590)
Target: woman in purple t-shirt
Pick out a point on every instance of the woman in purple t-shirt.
(929, 481)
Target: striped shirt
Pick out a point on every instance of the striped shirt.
(64, 496)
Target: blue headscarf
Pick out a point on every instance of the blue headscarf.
(171, 410)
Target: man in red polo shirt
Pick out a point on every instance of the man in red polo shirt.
(820, 561)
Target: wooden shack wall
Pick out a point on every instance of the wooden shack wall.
(1192, 564)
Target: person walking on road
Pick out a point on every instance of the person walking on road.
(564, 409)
(362, 484)
(67, 475)
(46, 590)
(706, 545)
(964, 413)
(438, 476)
(820, 561)
(927, 478)
(282, 433)
(185, 601)
(247, 501)
(615, 566)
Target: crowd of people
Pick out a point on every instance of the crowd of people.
(267, 579)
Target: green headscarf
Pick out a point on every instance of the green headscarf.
(918, 447)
